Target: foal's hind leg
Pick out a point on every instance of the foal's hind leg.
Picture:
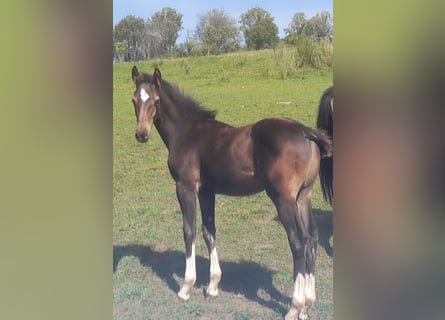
(297, 236)
(207, 203)
(305, 212)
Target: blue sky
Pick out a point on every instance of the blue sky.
(281, 10)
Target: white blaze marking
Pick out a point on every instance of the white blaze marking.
(144, 95)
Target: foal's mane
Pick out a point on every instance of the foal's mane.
(184, 104)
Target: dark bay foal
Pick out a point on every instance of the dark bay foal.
(278, 155)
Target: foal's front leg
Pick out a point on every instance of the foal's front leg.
(187, 200)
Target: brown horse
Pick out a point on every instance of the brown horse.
(325, 121)
(278, 155)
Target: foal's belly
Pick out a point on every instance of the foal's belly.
(228, 163)
(243, 184)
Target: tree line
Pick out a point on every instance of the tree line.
(216, 32)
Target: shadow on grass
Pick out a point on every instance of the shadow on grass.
(244, 278)
(325, 225)
(324, 220)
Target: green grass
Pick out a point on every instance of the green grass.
(147, 224)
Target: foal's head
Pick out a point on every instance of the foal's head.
(146, 101)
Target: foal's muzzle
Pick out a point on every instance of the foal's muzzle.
(142, 136)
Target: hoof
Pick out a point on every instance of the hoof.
(302, 315)
(180, 299)
(208, 296)
(292, 314)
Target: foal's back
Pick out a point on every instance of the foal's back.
(244, 160)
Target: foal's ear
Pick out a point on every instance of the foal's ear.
(134, 73)
(157, 77)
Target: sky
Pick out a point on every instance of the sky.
(282, 10)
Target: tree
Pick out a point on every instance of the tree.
(259, 29)
(165, 26)
(322, 25)
(317, 28)
(132, 30)
(121, 49)
(210, 39)
(218, 31)
(297, 24)
(191, 43)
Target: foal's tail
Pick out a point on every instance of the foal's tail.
(321, 139)
(325, 121)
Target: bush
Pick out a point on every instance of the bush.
(313, 54)
(287, 63)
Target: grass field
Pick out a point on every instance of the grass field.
(148, 264)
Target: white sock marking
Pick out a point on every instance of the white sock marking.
(214, 263)
(298, 297)
(310, 289)
(189, 277)
(215, 274)
(190, 266)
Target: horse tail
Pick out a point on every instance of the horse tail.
(325, 122)
(326, 112)
(321, 139)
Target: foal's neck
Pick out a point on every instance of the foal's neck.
(170, 124)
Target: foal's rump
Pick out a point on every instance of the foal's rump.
(274, 133)
(288, 153)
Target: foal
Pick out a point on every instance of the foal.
(206, 156)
